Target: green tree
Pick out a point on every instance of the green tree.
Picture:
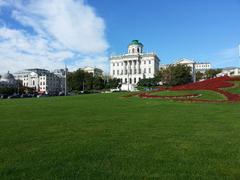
(112, 83)
(176, 75)
(211, 73)
(199, 75)
(80, 80)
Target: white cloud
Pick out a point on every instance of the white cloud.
(54, 32)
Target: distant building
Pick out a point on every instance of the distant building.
(163, 66)
(8, 80)
(133, 66)
(199, 66)
(96, 72)
(43, 81)
(229, 71)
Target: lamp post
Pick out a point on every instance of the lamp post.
(65, 88)
(194, 72)
(239, 55)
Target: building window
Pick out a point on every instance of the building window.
(117, 72)
(33, 82)
(113, 64)
(130, 79)
(133, 50)
(149, 70)
(117, 64)
(135, 80)
(113, 72)
(121, 72)
(144, 70)
(125, 80)
(139, 79)
(130, 71)
(144, 62)
(149, 62)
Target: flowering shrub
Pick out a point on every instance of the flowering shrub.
(215, 84)
(146, 95)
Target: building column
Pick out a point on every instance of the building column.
(137, 64)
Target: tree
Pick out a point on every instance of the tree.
(211, 73)
(82, 81)
(113, 83)
(148, 82)
(176, 75)
(199, 75)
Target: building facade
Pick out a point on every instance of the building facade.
(133, 66)
(230, 71)
(43, 81)
(96, 72)
(199, 66)
(8, 81)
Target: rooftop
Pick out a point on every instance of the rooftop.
(135, 42)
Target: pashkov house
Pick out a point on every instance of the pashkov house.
(133, 66)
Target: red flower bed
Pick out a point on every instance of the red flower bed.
(210, 84)
(215, 84)
(146, 95)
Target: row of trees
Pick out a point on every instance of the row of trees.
(177, 75)
(83, 81)
(171, 76)
(16, 90)
(211, 73)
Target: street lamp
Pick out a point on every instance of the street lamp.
(194, 72)
(65, 89)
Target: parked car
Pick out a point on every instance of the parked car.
(26, 96)
(42, 95)
(14, 96)
(4, 96)
(61, 94)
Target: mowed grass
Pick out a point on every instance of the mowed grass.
(234, 89)
(204, 94)
(106, 136)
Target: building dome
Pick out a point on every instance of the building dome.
(135, 47)
(135, 42)
(7, 77)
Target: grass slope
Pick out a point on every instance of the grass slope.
(106, 136)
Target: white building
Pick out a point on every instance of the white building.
(8, 80)
(133, 66)
(43, 81)
(199, 66)
(96, 72)
(230, 71)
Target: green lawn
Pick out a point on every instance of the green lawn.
(235, 89)
(106, 136)
(205, 94)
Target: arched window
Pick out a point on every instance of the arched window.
(133, 50)
(138, 50)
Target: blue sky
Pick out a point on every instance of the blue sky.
(206, 30)
(51, 33)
